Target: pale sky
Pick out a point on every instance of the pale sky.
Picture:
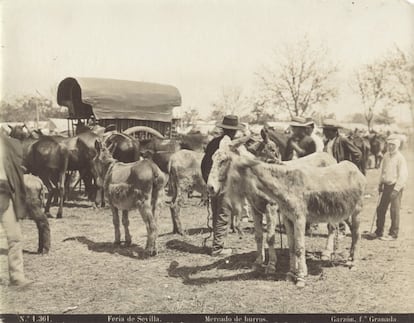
(197, 46)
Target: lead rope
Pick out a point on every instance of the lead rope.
(336, 243)
(208, 222)
(280, 229)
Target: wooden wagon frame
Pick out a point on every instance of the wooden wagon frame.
(123, 104)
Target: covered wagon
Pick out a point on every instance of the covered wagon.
(122, 104)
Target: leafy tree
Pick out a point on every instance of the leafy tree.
(357, 118)
(384, 117)
(230, 101)
(298, 79)
(28, 108)
(190, 117)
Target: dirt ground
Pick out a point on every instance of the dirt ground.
(84, 272)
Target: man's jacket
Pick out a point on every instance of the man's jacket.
(11, 154)
(344, 149)
(207, 162)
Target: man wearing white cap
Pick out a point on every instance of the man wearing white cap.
(394, 175)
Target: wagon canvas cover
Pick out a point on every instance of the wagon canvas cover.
(117, 99)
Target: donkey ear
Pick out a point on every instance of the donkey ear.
(98, 146)
(264, 134)
(11, 128)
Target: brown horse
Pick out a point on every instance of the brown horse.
(124, 147)
(378, 147)
(364, 146)
(49, 157)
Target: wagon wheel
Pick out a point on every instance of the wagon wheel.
(143, 132)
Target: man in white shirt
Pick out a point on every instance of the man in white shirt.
(394, 175)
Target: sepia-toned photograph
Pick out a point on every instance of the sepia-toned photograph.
(207, 161)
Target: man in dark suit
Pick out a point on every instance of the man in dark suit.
(220, 206)
(341, 148)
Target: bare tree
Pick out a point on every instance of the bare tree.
(298, 79)
(230, 101)
(371, 80)
(190, 116)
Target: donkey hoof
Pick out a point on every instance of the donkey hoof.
(325, 257)
(257, 267)
(351, 265)
(290, 277)
(128, 243)
(59, 216)
(151, 252)
(117, 243)
(180, 232)
(300, 283)
(42, 251)
(270, 270)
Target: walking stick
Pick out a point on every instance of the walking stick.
(375, 212)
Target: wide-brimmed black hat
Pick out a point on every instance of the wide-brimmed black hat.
(230, 122)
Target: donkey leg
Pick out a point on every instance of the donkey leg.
(258, 235)
(329, 247)
(50, 191)
(271, 238)
(125, 223)
(152, 230)
(236, 214)
(291, 275)
(356, 236)
(300, 250)
(43, 228)
(45, 234)
(115, 221)
(40, 238)
(175, 207)
(175, 210)
(61, 188)
(47, 205)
